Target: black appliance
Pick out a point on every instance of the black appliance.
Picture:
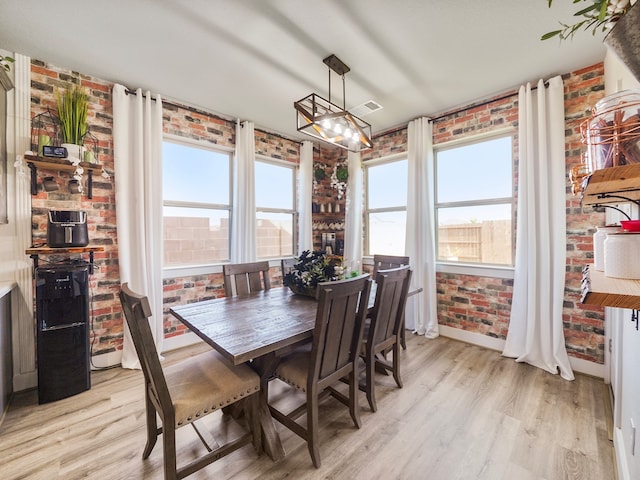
(67, 228)
(62, 313)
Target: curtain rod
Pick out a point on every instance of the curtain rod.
(461, 109)
(196, 110)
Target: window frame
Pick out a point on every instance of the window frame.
(293, 211)
(207, 268)
(366, 211)
(472, 268)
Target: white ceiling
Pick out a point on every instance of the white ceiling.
(252, 59)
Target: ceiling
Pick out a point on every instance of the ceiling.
(251, 59)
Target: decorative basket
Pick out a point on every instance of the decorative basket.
(307, 292)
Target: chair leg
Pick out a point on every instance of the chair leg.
(396, 365)
(369, 379)
(152, 427)
(312, 430)
(169, 454)
(354, 407)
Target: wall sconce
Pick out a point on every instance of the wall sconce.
(75, 186)
(49, 184)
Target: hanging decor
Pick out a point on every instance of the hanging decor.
(326, 121)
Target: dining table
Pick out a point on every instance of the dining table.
(258, 329)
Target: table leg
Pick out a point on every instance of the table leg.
(265, 366)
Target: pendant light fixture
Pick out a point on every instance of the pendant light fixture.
(328, 122)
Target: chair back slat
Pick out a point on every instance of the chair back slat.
(342, 307)
(244, 278)
(287, 264)
(386, 262)
(392, 287)
(137, 312)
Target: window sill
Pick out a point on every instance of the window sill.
(477, 270)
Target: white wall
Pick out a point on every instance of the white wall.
(624, 358)
(8, 230)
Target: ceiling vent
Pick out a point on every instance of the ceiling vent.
(366, 108)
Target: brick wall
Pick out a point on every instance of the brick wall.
(106, 332)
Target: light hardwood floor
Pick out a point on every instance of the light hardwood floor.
(464, 413)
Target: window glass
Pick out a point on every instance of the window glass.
(195, 174)
(474, 202)
(386, 207)
(475, 172)
(275, 209)
(197, 205)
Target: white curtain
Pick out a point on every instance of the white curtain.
(305, 182)
(535, 329)
(421, 311)
(243, 221)
(137, 144)
(353, 213)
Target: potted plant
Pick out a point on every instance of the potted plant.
(619, 19)
(312, 268)
(73, 107)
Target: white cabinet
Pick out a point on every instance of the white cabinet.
(624, 358)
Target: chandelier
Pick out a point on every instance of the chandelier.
(326, 121)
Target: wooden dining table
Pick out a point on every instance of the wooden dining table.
(258, 327)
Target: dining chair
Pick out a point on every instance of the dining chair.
(244, 278)
(287, 265)
(385, 262)
(382, 332)
(332, 355)
(187, 391)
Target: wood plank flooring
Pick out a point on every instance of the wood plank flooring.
(464, 413)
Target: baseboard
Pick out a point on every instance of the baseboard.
(106, 360)
(472, 337)
(179, 341)
(577, 364)
(25, 381)
(621, 456)
(586, 367)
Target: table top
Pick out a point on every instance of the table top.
(248, 327)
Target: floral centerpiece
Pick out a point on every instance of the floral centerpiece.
(313, 267)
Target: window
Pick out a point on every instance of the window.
(474, 202)
(386, 206)
(197, 204)
(275, 208)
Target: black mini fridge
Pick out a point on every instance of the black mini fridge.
(62, 313)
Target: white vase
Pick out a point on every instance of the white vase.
(74, 152)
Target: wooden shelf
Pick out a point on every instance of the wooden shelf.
(46, 163)
(62, 250)
(609, 184)
(598, 289)
(35, 251)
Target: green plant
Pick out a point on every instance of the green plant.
(73, 108)
(6, 62)
(600, 15)
(312, 267)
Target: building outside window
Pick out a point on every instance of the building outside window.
(275, 184)
(386, 206)
(474, 200)
(196, 183)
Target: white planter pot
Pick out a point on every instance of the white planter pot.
(74, 152)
